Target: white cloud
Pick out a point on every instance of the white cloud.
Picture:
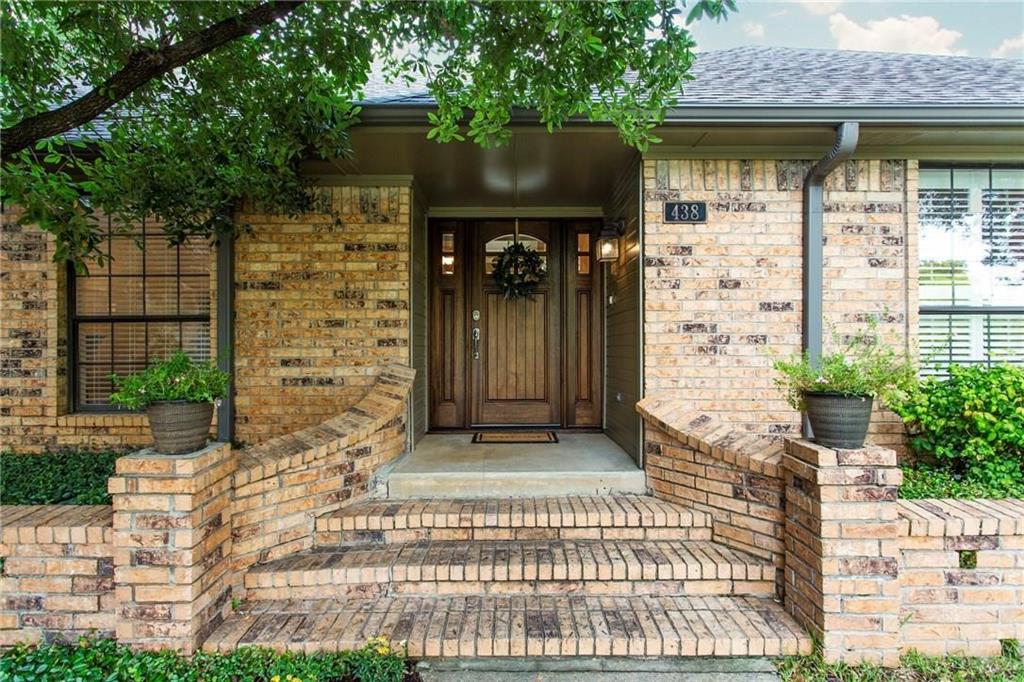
(1011, 47)
(894, 34)
(820, 6)
(753, 29)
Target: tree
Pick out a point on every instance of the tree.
(179, 109)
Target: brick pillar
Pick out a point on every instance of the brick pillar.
(172, 546)
(842, 553)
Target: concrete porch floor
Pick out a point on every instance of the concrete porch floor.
(451, 465)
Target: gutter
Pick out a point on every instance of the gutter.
(813, 241)
(714, 114)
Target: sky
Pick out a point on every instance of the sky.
(978, 28)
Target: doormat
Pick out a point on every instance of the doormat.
(515, 437)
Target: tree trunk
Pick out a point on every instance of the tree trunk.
(142, 67)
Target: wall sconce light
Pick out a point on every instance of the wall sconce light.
(608, 241)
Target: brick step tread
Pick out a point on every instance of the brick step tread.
(495, 561)
(521, 626)
(613, 511)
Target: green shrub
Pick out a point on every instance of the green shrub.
(100, 660)
(56, 478)
(967, 432)
(913, 667)
(177, 378)
(863, 367)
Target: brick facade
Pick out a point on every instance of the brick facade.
(321, 302)
(58, 573)
(35, 410)
(961, 575)
(723, 297)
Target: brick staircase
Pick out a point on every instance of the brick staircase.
(570, 576)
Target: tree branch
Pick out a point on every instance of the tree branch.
(142, 67)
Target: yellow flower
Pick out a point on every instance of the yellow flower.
(275, 678)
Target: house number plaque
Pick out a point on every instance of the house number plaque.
(686, 212)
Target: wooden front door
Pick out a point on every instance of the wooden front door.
(515, 365)
(521, 362)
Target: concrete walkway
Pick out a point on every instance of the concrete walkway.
(599, 669)
(451, 465)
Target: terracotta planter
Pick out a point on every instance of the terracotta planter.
(178, 426)
(837, 420)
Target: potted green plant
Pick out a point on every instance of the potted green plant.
(838, 393)
(178, 396)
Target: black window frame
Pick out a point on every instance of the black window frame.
(968, 310)
(75, 320)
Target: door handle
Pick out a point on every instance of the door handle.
(476, 343)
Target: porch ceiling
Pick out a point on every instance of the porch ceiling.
(574, 167)
(578, 165)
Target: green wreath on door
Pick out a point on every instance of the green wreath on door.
(518, 271)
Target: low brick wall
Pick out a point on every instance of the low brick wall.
(281, 486)
(160, 567)
(950, 608)
(869, 575)
(58, 572)
(696, 461)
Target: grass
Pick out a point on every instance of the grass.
(914, 667)
(102, 660)
(68, 477)
(922, 481)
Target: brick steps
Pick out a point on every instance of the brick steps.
(521, 626)
(613, 517)
(595, 567)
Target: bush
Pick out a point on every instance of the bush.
(914, 667)
(56, 478)
(102, 660)
(968, 432)
(177, 378)
(864, 367)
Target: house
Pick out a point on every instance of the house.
(795, 193)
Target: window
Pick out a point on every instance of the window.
(137, 308)
(971, 245)
(494, 248)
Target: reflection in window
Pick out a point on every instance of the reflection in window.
(583, 253)
(447, 253)
(494, 247)
(146, 301)
(971, 266)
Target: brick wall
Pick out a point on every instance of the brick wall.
(695, 460)
(947, 607)
(35, 413)
(58, 573)
(282, 485)
(722, 297)
(321, 301)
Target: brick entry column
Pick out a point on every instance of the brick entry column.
(842, 552)
(172, 546)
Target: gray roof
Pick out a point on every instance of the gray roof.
(785, 76)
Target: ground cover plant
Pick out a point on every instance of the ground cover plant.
(68, 477)
(103, 660)
(913, 667)
(966, 433)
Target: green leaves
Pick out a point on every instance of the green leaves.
(103, 660)
(967, 432)
(56, 478)
(238, 123)
(864, 367)
(177, 378)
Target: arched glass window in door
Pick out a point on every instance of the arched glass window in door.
(494, 248)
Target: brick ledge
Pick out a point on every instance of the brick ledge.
(384, 402)
(704, 432)
(948, 517)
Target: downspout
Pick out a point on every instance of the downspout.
(813, 240)
(225, 333)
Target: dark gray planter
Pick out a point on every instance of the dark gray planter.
(178, 426)
(837, 420)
